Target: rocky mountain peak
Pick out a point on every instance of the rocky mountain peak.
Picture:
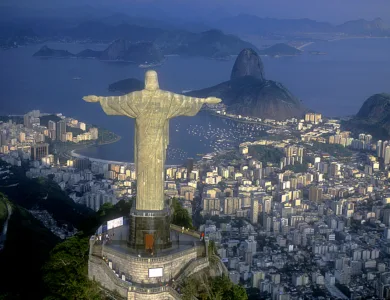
(248, 63)
(377, 107)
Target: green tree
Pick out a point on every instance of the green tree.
(237, 293)
(265, 154)
(229, 291)
(181, 217)
(65, 273)
(190, 288)
(217, 288)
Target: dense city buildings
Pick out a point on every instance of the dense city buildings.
(307, 214)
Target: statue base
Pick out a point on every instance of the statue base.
(149, 230)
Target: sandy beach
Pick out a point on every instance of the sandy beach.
(304, 45)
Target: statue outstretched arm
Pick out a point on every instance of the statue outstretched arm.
(190, 106)
(116, 105)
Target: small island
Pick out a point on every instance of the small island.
(280, 49)
(126, 85)
(45, 51)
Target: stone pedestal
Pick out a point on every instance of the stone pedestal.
(147, 225)
(117, 267)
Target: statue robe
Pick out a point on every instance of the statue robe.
(152, 111)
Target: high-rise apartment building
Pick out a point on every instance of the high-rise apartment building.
(232, 204)
(334, 169)
(379, 148)
(386, 156)
(254, 213)
(52, 130)
(94, 133)
(211, 204)
(22, 137)
(267, 203)
(315, 194)
(190, 166)
(26, 121)
(384, 145)
(61, 131)
(313, 118)
(39, 150)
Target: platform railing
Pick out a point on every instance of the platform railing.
(196, 249)
(190, 232)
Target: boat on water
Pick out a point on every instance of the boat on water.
(186, 91)
(76, 78)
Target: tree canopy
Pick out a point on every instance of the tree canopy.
(265, 154)
(65, 273)
(207, 288)
(180, 217)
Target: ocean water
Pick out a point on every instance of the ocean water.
(335, 84)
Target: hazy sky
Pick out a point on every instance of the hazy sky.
(325, 10)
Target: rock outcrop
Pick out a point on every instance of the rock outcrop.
(249, 93)
(375, 108)
(373, 117)
(248, 63)
(45, 51)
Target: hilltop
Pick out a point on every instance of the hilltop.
(249, 93)
(373, 117)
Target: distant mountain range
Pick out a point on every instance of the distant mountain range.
(373, 117)
(361, 26)
(210, 43)
(119, 50)
(249, 24)
(247, 92)
(172, 35)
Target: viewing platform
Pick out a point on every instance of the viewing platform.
(140, 274)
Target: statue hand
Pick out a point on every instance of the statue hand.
(91, 98)
(212, 100)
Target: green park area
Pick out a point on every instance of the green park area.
(266, 154)
(331, 149)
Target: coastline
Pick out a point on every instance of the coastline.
(305, 45)
(107, 161)
(73, 153)
(358, 37)
(212, 113)
(344, 38)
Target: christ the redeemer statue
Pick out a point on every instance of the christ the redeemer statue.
(152, 109)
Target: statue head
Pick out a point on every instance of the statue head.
(151, 81)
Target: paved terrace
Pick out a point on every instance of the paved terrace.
(182, 240)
